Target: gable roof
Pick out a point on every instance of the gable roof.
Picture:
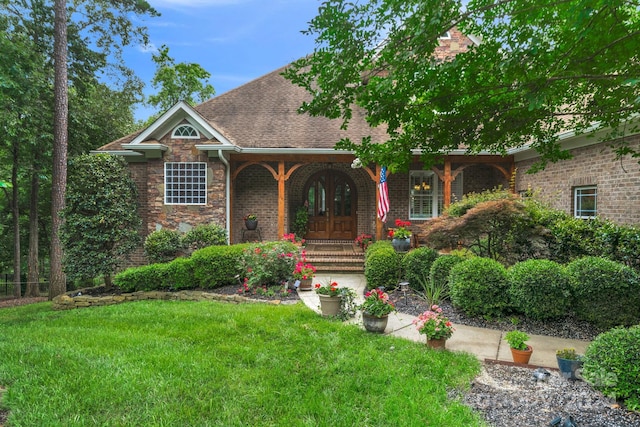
(261, 114)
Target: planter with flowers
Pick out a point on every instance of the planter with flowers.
(569, 363)
(375, 310)
(330, 298)
(303, 275)
(251, 221)
(437, 328)
(363, 241)
(401, 236)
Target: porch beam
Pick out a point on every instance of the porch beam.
(281, 180)
(447, 183)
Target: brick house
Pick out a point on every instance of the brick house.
(250, 151)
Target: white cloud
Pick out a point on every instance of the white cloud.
(148, 48)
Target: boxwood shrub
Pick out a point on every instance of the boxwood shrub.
(540, 288)
(611, 365)
(217, 266)
(179, 275)
(382, 267)
(440, 269)
(163, 245)
(375, 246)
(144, 278)
(479, 286)
(607, 293)
(416, 265)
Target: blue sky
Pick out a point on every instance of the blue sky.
(234, 40)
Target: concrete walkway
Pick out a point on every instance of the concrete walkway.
(484, 343)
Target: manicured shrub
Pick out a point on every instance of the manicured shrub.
(540, 288)
(479, 286)
(179, 275)
(375, 246)
(204, 235)
(416, 265)
(144, 278)
(382, 267)
(440, 269)
(611, 365)
(217, 266)
(607, 293)
(163, 245)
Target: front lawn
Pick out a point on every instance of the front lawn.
(166, 363)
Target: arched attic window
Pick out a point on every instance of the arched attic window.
(185, 132)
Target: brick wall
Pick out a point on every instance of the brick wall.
(618, 181)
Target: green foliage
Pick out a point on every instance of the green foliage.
(611, 365)
(540, 289)
(607, 293)
(270, 263)
(470, 200)
(178, 82)
(144, 278)
(217, 266)
(432, 105)
(517, 339)
(163, 245)
(301, 222)
(204, 235)
(384, 245)
(440, 269)
(432, 292)
(179, 275)
(479, 286)
(101, 220)
(416, 265)
(382, 266)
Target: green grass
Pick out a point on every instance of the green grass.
(162, 363)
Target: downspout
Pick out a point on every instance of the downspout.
(227, 194)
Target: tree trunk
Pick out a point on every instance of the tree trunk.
(57, 281)
(15, 214)
(33, 277)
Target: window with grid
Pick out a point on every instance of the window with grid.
(185, 132)
(426, 194)
(185, 183)
(585, 202)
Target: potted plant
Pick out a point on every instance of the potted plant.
(437, 328)
(303, 274)
(251, 221)
(330, 298)
(520, 350)
(363, 241)
(375, 310)
(400, 236)
(569, 362)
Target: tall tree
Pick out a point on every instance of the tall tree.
(57, 280)
(178, 82)
(542, 67)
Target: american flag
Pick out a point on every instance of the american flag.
(383, 202)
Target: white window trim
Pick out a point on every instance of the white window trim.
(437, 193)
(184, 125)
(167, 189)
(575, 201)
(446, 36)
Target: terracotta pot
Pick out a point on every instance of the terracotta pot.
(374, 323)
(330, 305)
(437, 344)
(522, 356)
(305, 285)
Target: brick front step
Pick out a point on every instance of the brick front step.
(335, 256)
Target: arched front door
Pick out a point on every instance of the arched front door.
(332, 206)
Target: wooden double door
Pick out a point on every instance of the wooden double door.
(332, 200)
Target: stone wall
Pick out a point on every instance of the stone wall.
(72, 300)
